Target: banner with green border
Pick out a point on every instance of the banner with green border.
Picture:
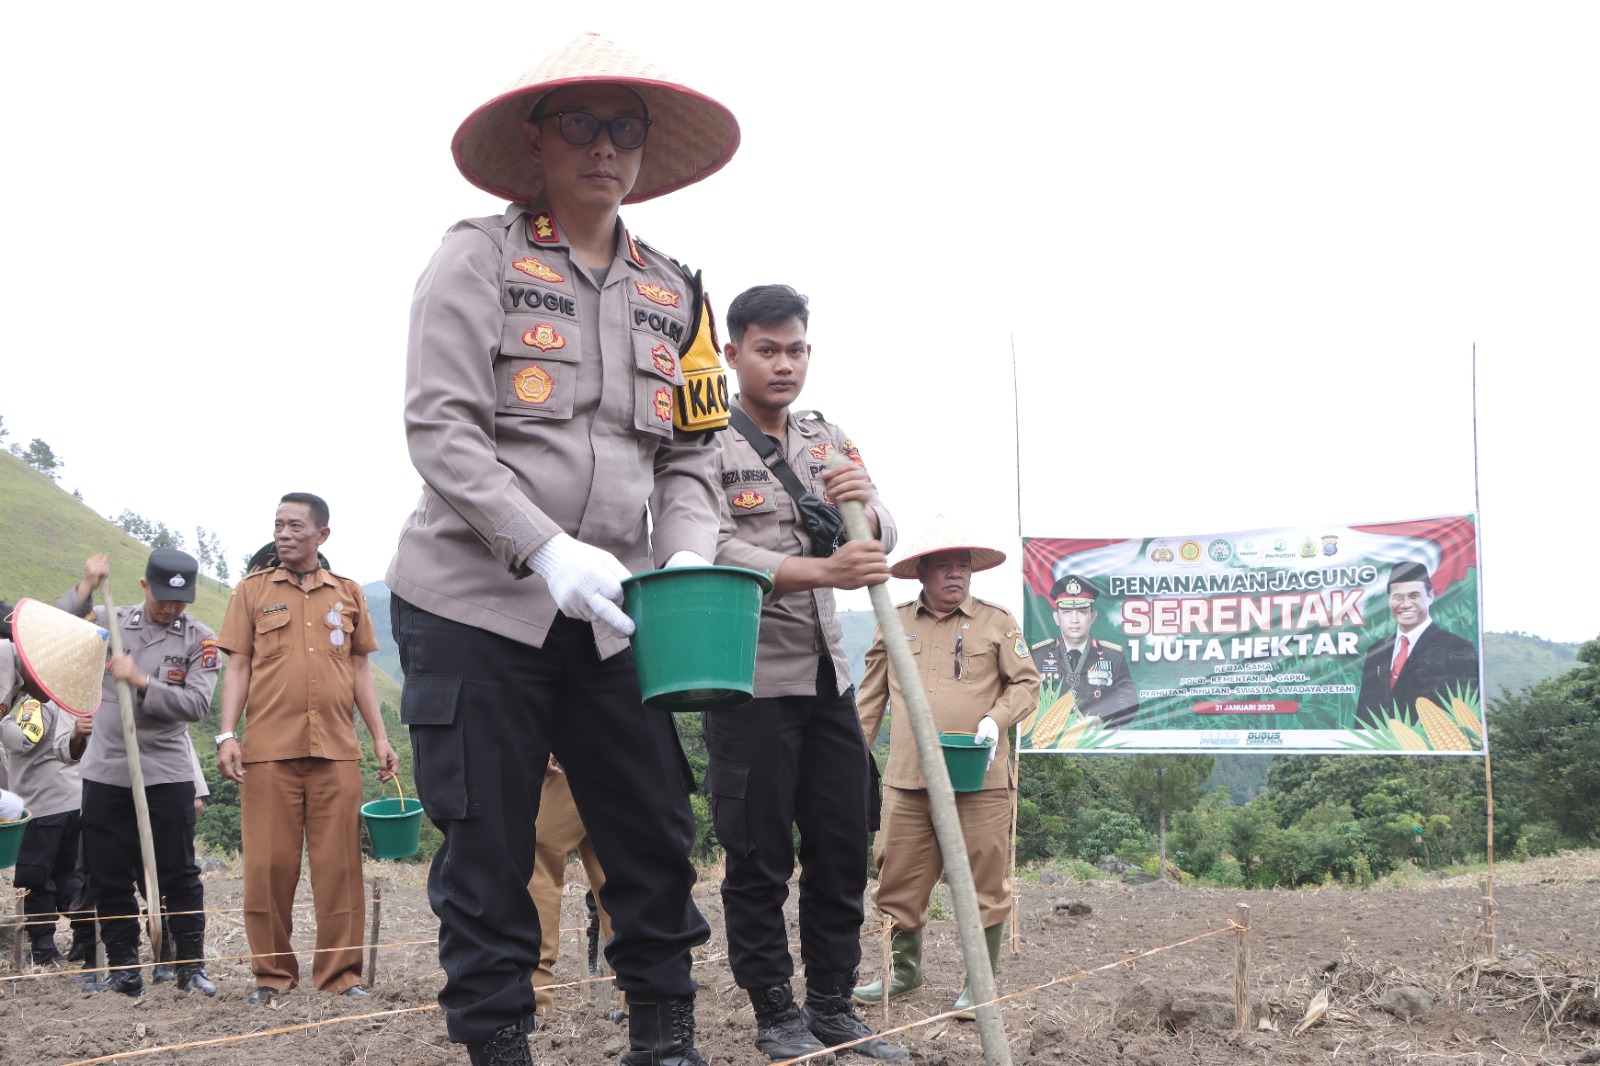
(1274, 640)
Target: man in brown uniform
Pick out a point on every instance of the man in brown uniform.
(297, 638)
(560, 832)
(561, 390)
(980, 679)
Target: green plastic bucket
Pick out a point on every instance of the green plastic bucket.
(967, 759)
(695, 641)
(11, 839)
(394, 826)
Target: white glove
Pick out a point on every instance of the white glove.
(684, 558)
(585, 581)
(11, 806)
(988, 729)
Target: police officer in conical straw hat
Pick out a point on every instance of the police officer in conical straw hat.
(562, 389)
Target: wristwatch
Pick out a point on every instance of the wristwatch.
(220, 737)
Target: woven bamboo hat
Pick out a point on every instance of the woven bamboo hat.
(67, 655)
(691, 135)
(944, 535)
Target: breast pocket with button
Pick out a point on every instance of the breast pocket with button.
(272, 636)
(537, 369)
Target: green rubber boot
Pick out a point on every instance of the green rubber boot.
(991, 936)
(905, 971)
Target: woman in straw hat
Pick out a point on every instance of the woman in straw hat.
(562, 386)
(981, 680)
(46, 655)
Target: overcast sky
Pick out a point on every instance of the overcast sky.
(1242, 253)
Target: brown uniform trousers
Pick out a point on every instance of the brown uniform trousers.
(317, 803)
(997, 677)
(559, 830)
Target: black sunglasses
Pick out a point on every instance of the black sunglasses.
(627, 132)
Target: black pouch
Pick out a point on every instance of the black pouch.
(824, 522)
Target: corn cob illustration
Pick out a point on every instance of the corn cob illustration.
(1466, 718)
(1410, 739)
(1440, 727)
(1073, 733)
(1052, 722)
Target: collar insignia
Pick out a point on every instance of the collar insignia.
(542, 228)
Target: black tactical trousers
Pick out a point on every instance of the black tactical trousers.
(484, 713)
(782, 764)
(114, 864)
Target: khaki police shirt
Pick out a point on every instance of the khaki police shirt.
(538, 402)
(301, 699)
(761, 527)
(38, 740)
(998, 679)
(182, 663)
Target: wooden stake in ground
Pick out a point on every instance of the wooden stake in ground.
(377, 923)
(141, 806)
(1241, 968)
(942, 801)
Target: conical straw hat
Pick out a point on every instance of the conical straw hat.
(944, 535)
(66, 654)
(691, 135)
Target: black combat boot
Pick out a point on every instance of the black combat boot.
(192, 978)
(780, 1033)
(832, 1018)
(128, 982)
(661, 1032)
(508, 1047)
(82, 949)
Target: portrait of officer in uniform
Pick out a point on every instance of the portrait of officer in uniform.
(1419, 659)
(1075, 661)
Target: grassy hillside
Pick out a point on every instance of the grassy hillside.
(49, 534)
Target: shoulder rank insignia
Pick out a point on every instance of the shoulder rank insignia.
(633, 249)
(658, 295)
(748, 500)
(542, 228)
(1108, 644)
(1042, 643)
(29, 717)
(544, 337)
(536, 269)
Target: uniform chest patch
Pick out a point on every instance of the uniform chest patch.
(661, 356)
(657, 295)
(544, 337)
(175, 676)
(748, 500)
(535, 268)
(820, 451)
(532, 384)
(663, 407)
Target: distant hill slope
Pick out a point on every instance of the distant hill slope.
(49, 533)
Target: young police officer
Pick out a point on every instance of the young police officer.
(792, 758)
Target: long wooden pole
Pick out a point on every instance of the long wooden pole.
(141, 806)
(1241, 968)
(941, 798)
(375, 929)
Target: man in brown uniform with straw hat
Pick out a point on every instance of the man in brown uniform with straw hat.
(980, 679)
(562, 386)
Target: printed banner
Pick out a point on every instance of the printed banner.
(1329, 640)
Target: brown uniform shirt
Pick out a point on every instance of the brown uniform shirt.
(538, 402)
(761, 527)
(998, 679)
(302, 691)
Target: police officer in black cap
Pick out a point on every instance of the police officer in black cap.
(1094, 670)
(169, 663)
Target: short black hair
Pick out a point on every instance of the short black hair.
(319, 506)
(1410, 572)
(767, 304)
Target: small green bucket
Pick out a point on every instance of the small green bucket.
(967, 759)
(695, 639)
(395, 825)
(11, 839)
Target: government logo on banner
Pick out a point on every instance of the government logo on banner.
(1328, 640)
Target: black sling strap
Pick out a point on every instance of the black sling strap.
(767, 448)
